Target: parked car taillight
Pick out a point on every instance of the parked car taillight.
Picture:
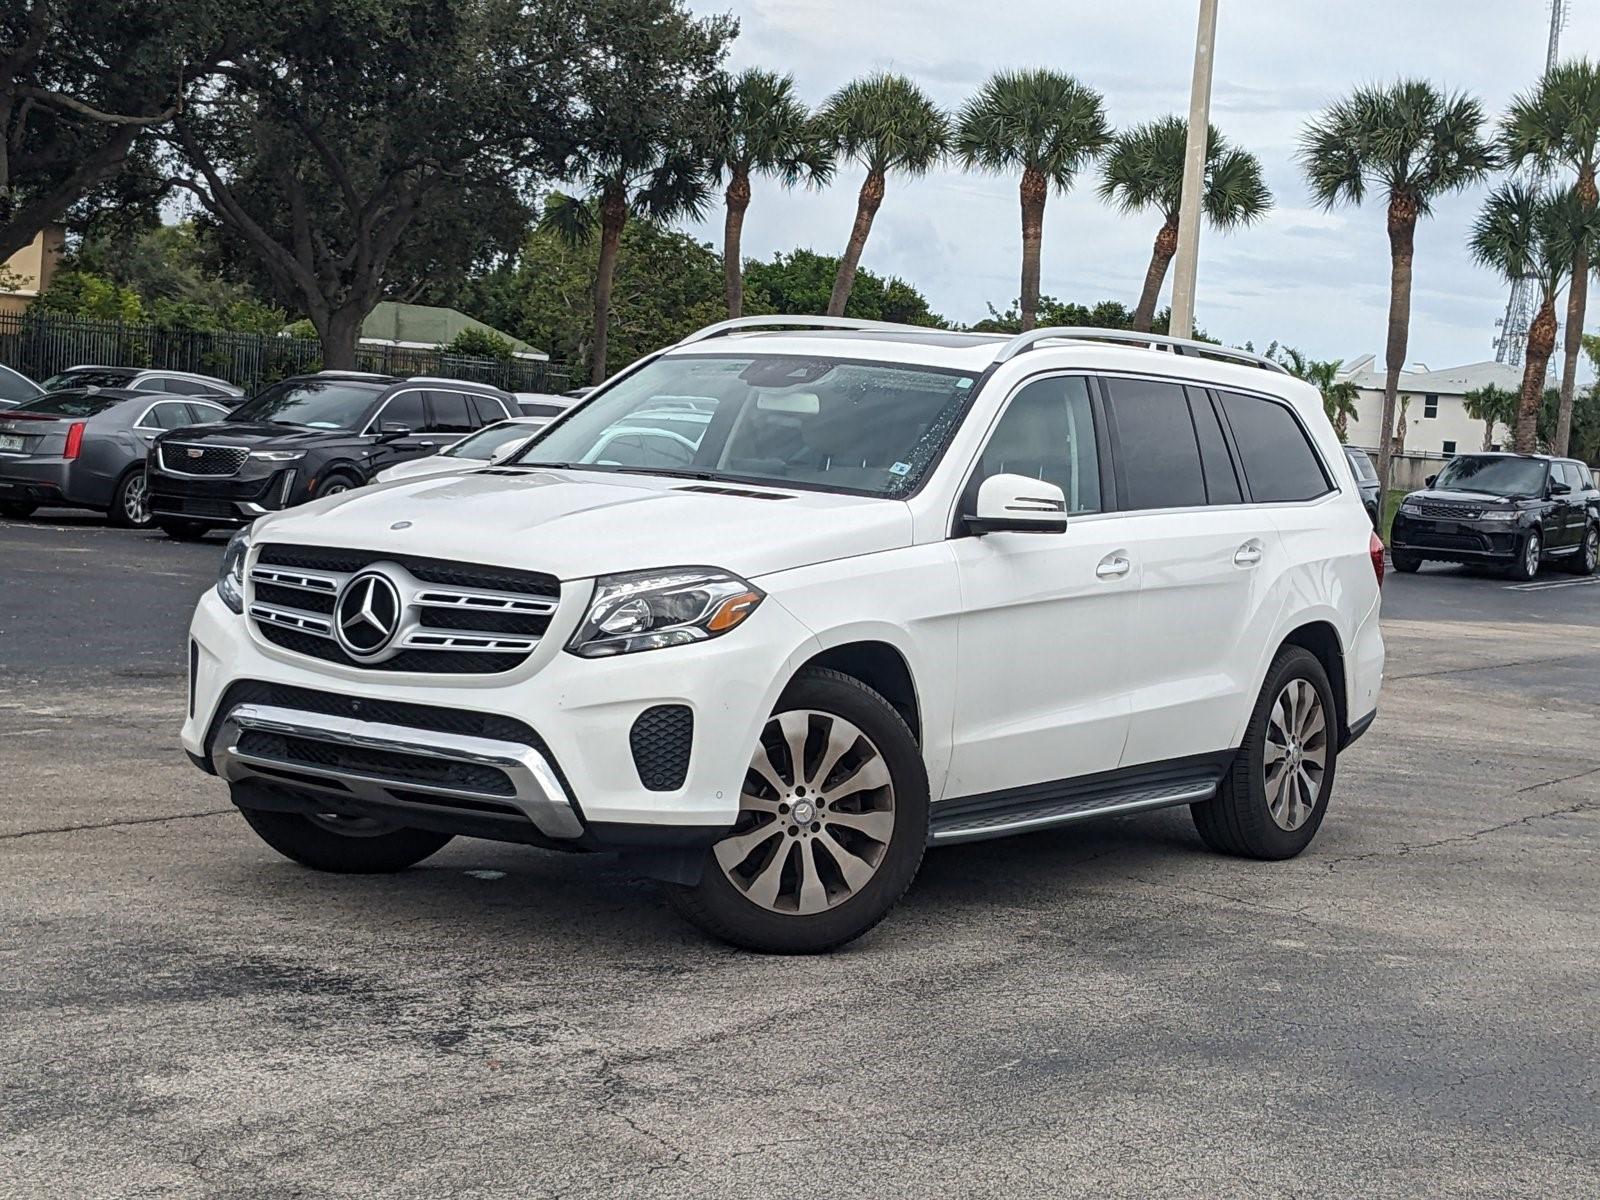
(74, 440)
(1375, 548)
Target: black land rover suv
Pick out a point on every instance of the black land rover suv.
(1515, 510)
(306, 437)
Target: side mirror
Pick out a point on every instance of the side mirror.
(501, 453)
(1557, 488)
(1018, 504)
(390, 431)
(1428, 482)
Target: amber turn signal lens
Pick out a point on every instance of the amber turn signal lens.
(733, 610)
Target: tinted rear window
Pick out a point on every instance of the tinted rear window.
(1362, 465)
(1279, 463)
(70, 404)
(1156, 439)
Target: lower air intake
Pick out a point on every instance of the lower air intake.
(661, 740)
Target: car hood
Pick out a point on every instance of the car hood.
(576, 524)
(257, 435)
(1450, 496)
(434, 464)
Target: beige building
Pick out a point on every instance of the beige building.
(1436, 421)
(29, 271)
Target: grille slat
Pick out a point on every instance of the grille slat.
(180, 458)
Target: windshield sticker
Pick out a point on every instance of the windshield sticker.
(900, 468)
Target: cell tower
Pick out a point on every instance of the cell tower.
(1513, 339)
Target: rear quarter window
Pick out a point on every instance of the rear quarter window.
(1158, 449)
(1280, 466)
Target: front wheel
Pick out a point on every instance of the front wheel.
(1526, 564)
(832, 824)
(1587, 558)
(182, 531)
(16, 509)
(344, 845)
(1405, 562)
(1271, 801)
(130, 503)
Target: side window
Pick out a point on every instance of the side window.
(205, 414)
(167, 416)
(1159, 454)
(1047, 432)
(1222, 482)
(488, 409)
(188, 387)
(450, 413)
(1573, 474)
(151, 383)
(1279, 464)
(404, 408)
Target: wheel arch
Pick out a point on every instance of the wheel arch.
(883, 667)
(1322, 639)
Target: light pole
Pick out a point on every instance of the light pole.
(1194, 173)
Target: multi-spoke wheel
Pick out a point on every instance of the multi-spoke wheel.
(1271, 801)
(130, 506)
(833, 817)
(1587, 558)
(1526, 565)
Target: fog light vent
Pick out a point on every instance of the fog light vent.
(661, 740)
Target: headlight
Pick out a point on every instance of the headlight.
(230, 576)
(279, 456)
(1410, 509)
(1498, 514)
(646, 610)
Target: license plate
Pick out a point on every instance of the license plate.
(10, 441)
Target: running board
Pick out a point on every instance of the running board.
(1045, 805)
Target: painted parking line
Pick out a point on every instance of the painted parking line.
(1550, 586)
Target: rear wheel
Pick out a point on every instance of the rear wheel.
(1271, 801)
(1526, 564)
(1587, 558)
(1404, 562)
(345, 845)
(182, 531)
(130, 503)
(16, 509)
(832, 825)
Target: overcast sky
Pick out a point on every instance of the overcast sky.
(1311, 279)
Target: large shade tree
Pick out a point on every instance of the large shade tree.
(1411, 144)
(1524, 233)
(1557, 127)
(885, 123)
(1044, 125)
(758, 127)
(1144, 172)
(82, 83)
(366, 123)
(643, 137)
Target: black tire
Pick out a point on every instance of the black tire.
(1238, 820)
(1405, 562)
(1587, 559)
(122, 497)
(182, 531)
(317, 844)
(17, 510)
(335, 482)
(1526, 563)
(724, 911)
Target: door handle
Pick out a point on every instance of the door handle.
(1112, 566)
(1247, 555)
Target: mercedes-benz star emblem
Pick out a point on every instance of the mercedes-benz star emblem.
(367, 614)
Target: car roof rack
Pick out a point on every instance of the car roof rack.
(452, 382)
(1150, 341)
(740, 324)
(355, 374)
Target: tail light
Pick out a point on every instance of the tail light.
(1375, 548)
(74, 440)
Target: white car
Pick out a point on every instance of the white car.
(910, 588)
(474, 450)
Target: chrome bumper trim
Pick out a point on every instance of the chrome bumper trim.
(538, 791)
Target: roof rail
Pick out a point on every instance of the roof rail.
(738, 324)
(451, 382)
(356, 374)
(1151, 341)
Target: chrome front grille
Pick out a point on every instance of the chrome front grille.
(185, 458)
(448, 617)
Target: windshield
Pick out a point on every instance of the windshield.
(866, 428)
(489, 439)
(88, 377)
(312, 403)
(1493, 476)
(76, 403)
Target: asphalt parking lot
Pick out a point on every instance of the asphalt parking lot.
(1412, 1008)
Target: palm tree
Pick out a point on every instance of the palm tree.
(1338, 395)
(660, 181)
(758, 125)
(1557, 124)
(885, 123)
(1144, 170)
(1050, 126)
(1492, 405)
(1527, 234)
(1413, 144)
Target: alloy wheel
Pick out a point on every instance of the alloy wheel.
(334, 489)
(1530, 556)
(816, 815)
(1591, 550)
(136, 500)
(1296, 754)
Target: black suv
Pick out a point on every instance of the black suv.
(1515, 510)
(304, 438)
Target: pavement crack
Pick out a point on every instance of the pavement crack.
(210, 812)
(1494, 666)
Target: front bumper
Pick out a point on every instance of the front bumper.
(568, 771)
(232, 500)
(1455, 541)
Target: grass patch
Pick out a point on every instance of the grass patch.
(1391, 505)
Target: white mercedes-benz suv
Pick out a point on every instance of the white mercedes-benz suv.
(778, 608)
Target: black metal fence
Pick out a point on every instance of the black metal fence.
(43, 344)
